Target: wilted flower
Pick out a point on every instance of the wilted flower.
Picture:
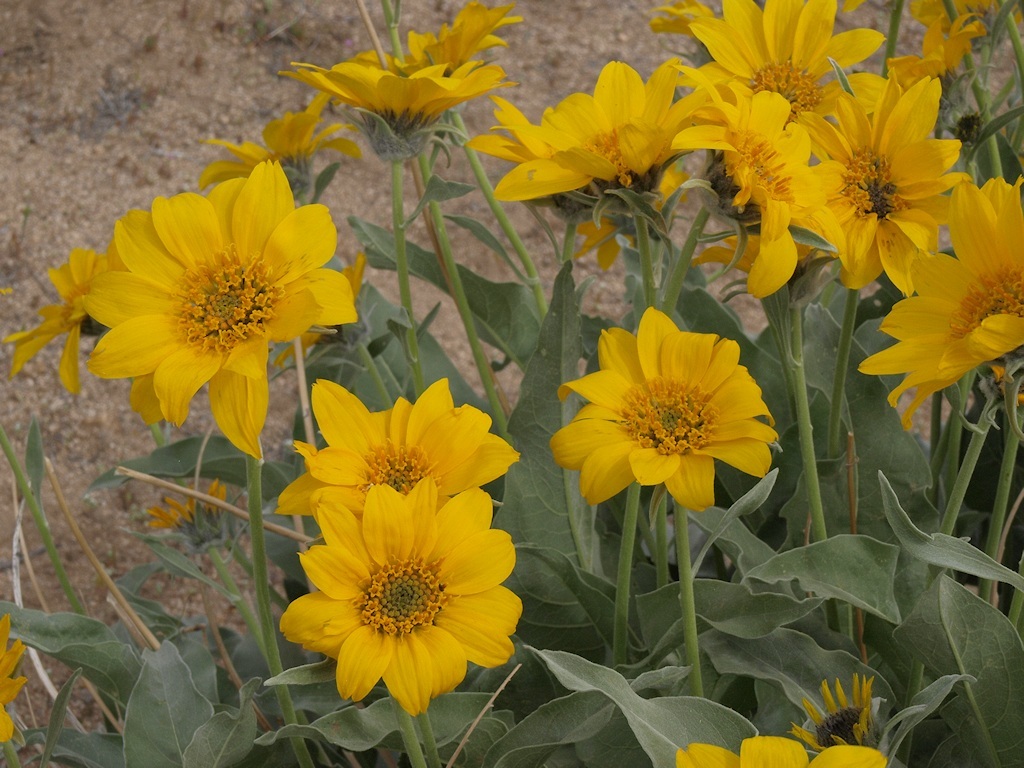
(664, 406)
(409, 592)
(193, 521)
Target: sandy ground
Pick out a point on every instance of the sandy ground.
(104, 104)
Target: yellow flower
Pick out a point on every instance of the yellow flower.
(621, 137)
(73, 280)
(210, 283)
(397, 447)
(885, 180)
(664, 406)
(969, 310)
(398, 111)
(777, 752)
(843, 722)
(197, 526)
(409, 593)
(679, 16)
(943, 49)
(471, 33)
(291, 140)
(9, 684)
(930, 11)
(761, 174)
(784, 49)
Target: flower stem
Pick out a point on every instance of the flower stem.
(939, 443)
(378, 381)
(433, 758)
(1000, 504)
(676, 278)
(963, 477)
(659, 519)
(895, 15)
(412, 744)
(11, 755)
(458, 293)
(261, 584)
(239, 602)
(402, 264)
(620, 635)
(643, 247)
(687, 604)
(158, 434)
(806, 429)
(835, 416)
(484, 183)
(569, 243)
(41, 524)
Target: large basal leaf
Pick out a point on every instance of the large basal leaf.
(788, 658)
(78, 641)
(563, 721)
(919, 709)
(856, 569)
(164, 712)
(227, 737)
(538, 493)
(83, 750)
(734, 538)
(940, 549)
(506, 313)
(376, 725)
(613, 746)
(660, 725)
(956, 633)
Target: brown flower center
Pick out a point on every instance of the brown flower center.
(840, 728)
(868, 184)
(227, 304)
(999, 294)
(800, 89)
(665, 415)
(399, 466)
(403, 596)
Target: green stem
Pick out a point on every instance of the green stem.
(914, 684)
(158, 434)
(620, 636)
(458, 292)
(835, 415)
(569, 243)
(1000, 505)
(11, 755)
(676, 278)
(484, 183)
(963, 477)
(433, 758)
(391, 20)
(643, 247)
(41, 524)
(659, 518)
(895, 15)
(239, 602)
(412, 744)
(402, 264)
(378, 381)
(261, 585)
(687, 604)
(939, 442)
(1016, 614)
(806, 429)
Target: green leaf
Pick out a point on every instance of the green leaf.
(997, 123)
(844, 81)
(812, 239)
(308, 674)
(376, 725)
(79, 641)
(751, 500)
(83, 750)
(323, 180)
(788, 658)
(227, 737)
(438, 190)
(660, 725)
(956, 633)
(940, 549)
(164, 712)
(856, 569)
(57, 714)
(35, 460)
(485, 236)
(734, 538)
(177, 563)
(920, 708)
(613, 746)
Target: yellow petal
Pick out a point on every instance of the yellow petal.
(850, 757)
(481, 562)
(305, 239)
(362, 660)
(387, 524)
(693, 486)
(606, 472)
(409, 675)
(580, 438)
(239, 405)
(483, 623)
(447, 659)
(335, 571)
(655, 327)
(188, 228)
(343, 419)
(650, 467)
(706, 756)
(775, 751)
(115, 297)
(262, 204)
(134, 348)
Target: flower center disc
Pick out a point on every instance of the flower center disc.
(766, 165)
(839, 728)
(867, 184)
(1000, 294)
(800, 89)
(667, 416)
(225, 305)
(402, 596)
(607, 146)
(401, 467)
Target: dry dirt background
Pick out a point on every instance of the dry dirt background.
(103, 105)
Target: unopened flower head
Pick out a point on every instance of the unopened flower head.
(843, 721)
(9, 684)
(408, 593)
(210, 283)
(664, 406)
(73, 280)
(291, 140)
(969, 310)
(429, 439)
